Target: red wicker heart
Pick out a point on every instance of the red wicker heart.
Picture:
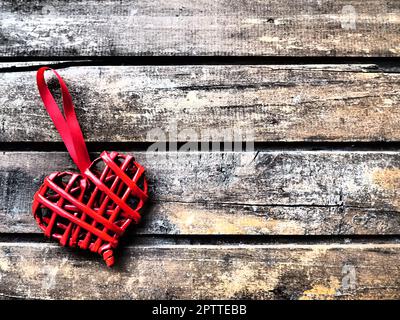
(91, 210)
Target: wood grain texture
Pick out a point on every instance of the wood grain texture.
(267, 192)
(260, 103)
(206, 27)
(325, 271)
(274, 192)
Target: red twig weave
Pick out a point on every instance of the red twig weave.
(92, 210)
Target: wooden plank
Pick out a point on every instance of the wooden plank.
(325, 271)
(260, 103)
(206, 27)
(270, 192)
(15, 66)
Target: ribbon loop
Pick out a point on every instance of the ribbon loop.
(68, 125)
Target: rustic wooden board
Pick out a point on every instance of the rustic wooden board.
(206, 27)
(278, 102)
(267, 192)
(324, 271)
(271, 192)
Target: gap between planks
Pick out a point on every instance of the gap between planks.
(132, 239)
(316, 246)
(279, 146)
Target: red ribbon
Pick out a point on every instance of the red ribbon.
(68, 126)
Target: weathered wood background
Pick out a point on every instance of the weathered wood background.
(313, 212)
(204, 27)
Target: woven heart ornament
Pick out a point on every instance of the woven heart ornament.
(91, 209)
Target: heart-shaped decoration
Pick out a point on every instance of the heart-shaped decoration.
(93, 209)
